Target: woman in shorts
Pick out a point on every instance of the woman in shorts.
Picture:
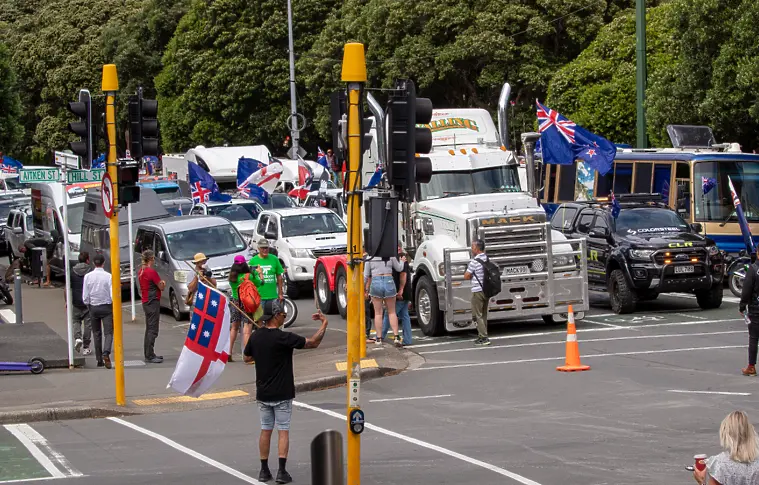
(381, 288)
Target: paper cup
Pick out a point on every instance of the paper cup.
(700, 462)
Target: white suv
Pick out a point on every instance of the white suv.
(300, 236)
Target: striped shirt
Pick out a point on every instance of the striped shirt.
(477, 271)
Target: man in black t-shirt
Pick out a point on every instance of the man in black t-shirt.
(272, 350)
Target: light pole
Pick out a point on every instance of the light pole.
(294, 133)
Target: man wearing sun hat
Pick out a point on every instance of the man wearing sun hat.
(200, 261)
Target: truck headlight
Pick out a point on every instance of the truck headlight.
(644, 254)
(300, 253)
(456, 269)
(181, 276)
(562, 260)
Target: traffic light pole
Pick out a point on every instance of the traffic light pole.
(110, 86)
(354, 74)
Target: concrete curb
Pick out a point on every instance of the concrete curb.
(59, 414)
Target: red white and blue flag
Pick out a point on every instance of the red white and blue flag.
(256, 180)
(321, 158)
(206, 348)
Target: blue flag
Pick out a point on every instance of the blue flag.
(707, 184)
(245, 168)
(10, 165)
(321, 158)
(99, 162)
(742, 222)
(562, 142)
(615, 207)
(203, 186)
(376, 177)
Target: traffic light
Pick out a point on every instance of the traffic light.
(406, 139)
(129, 175)
(143, 126)
(86, 146)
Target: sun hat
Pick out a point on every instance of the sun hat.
(199, 257)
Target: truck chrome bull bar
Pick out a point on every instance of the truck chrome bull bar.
(538, 292)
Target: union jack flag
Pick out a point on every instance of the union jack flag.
(548, 118)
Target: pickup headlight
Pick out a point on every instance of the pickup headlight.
(457, 269)
(181, 276)
(300, 253)
(644, 254)
(562, 260)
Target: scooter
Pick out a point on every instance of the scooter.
(35, 365)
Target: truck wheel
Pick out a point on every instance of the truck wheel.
(178, 315)
(291, 288)
(428, 312)
(341, 292)
(711, 298)
(324, 295)
(623, 299)
(735, 281)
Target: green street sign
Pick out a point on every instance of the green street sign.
(80, 176)
(32, 175)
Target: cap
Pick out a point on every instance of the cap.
(263, 243)
(271, 309)
(239, 259)
(199, 257)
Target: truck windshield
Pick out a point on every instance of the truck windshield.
(717, 204)
(74, 215)
(311, 224)
(649, 220)
(486, 181)
(168, 193)
(211, 241)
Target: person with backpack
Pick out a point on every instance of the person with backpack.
(480, 271)
(749, 308)
(239, 319)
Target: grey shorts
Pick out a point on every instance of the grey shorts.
(278, 412)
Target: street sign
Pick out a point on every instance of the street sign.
(68, 159)
(301, 152)
(106, 194)
(81, 176)
(31, 175)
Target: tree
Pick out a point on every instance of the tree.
(11, 129)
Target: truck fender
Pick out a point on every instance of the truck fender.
(617, 260)
(331, 264)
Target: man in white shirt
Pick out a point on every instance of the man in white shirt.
(475, 271)
(96, 294)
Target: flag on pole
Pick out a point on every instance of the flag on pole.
(256, 180)
(10, 165)
(321, 158)
(707, 184)
(742, 222)
(203, 186)
(206, 348)
(562, 142)
(615, 207)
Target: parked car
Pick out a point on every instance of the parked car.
(175, 242)
(332, 199)
(243, 213)
(18, 228)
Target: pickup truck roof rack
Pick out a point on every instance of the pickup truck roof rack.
(654, 199)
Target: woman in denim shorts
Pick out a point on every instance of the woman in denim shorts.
(381, 287)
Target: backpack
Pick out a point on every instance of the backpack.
(248, 294)
(491, 285)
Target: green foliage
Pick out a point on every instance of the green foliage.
(11, 129)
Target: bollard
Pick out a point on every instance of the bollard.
(327, 459)
(17, 296)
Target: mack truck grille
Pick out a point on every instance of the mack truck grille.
(329, 251)
(681, 256)
(500, 241)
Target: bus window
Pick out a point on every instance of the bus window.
(643, 177)
(682, 203)
(683, 171)
(549, 188)
(662, 176)
(567, 177)
(623, 178)
(603, 184)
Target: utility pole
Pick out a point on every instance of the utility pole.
(110, 85)
(640, 34)
(294, 133)
(354, 74)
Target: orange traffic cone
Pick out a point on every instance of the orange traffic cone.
(572, 363)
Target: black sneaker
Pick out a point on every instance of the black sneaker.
(482, 341)
(283, 477)
(264, 475)
(101, 364)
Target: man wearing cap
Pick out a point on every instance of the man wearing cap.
(272, 349)
(271, 269)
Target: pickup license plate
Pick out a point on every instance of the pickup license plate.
(512, 270)
(684, 269)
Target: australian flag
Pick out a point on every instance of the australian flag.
(10, 165)
(206, 348)
(707, 184)
(562, 142)
(203, 186)
(742, 222)
(615, 207)
(257, 180)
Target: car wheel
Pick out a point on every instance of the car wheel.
(623, 299)
(178, 315)
(735, 281)
(711, 298)
(428, 313)
(324, 294)
(291, 288)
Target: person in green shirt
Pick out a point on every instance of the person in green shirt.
(271, 270)
(239, 320)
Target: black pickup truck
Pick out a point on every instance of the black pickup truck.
(647, 249)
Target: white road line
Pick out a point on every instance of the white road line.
(21, 480)
(544, 359)
(410, 398)
(561, 342)
(729, 299)
(687, 315)
(603, 324)
(721, 393)
(424, 444)
(188, 451)
(8, 315)
(20, 431)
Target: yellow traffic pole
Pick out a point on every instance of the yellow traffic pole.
(354, 74)
(110, 85)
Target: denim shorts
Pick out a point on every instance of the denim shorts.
(278, 412)
(382, 287)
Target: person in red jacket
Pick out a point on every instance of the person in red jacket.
(151, 286)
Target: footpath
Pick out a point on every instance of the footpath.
(88, 391)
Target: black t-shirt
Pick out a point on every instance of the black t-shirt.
(407, 286)
(272, 349)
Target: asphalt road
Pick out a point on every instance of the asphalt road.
(661, 380)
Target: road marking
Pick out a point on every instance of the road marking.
(188, 451)
(424, 444)
(36, 443)
(365, 364)
(602, 323)
(687, 315)
(586, 356)
(21, 480)
(721, 393)
(729, 299)
(558, 342)
(177, 399)
(410, 398)
(8, 315)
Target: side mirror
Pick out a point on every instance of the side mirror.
(18, 231)
(599, 232)
(696, 226)
(162, 255)
(270, 235)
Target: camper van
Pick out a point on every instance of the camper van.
(96, 233)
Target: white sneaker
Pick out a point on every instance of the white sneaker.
(86, 351)
(78, 345)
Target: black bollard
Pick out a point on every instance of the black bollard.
(17, 296)
(327, 459)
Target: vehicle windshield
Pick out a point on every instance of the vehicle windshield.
(211, 241)
(13, 184)
(236, 212)
(649, 220)
(311, 224)
(5, 209)
(717, 204)
(487, 181)
(281, 201)
(74, 215)
(168, 193)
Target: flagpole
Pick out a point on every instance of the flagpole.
(294, 115)
(131, 259)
